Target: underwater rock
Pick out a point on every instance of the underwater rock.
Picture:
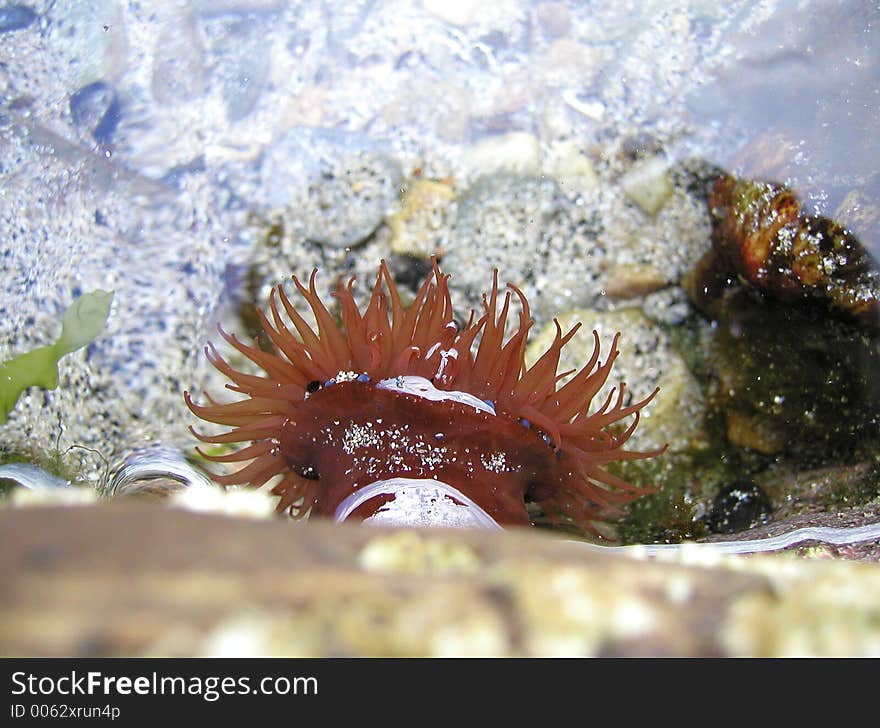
(819, 496)
(668, 306)
(306, 108)
(441, 107)
(632, 280)
(567, 59)
(333, 187)
(571, 168)
(516, 152)
(15, 17)
(770, 155)
(760, 230)
(95, 36)
(832, 530)
(239, 62)
(859, 212)
(95, 110)
(786, 380)
(501, 219)
(554, 19)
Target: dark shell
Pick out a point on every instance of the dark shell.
(739, 507)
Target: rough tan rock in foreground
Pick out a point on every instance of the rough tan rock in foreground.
(138, 579)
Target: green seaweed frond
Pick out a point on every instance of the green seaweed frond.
(82, 322)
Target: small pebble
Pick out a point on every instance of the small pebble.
(95, 110)
(15, 17)
(422, 222)
(241, 63)
(647, 185)
(518, 152)
(554, 19)
(571, 168)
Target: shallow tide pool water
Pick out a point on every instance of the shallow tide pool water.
(189, 156)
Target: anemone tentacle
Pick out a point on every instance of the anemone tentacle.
(387, 338)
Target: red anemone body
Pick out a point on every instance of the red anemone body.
(330, 415)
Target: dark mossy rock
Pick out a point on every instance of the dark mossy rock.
(761, 232)
(789, 365)
(789, 380)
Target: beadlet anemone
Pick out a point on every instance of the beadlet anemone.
(397, 407)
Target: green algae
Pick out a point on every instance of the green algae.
(81, 323)
(793, 384)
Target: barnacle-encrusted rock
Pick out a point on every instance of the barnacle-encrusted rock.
(93, 583)
(760, 230)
